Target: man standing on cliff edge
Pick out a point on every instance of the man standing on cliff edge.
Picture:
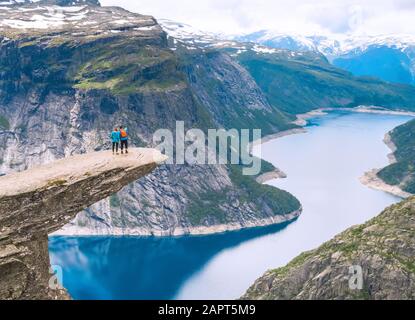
(124, 139)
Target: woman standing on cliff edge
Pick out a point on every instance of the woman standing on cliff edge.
(115, 139)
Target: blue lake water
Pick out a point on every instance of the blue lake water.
(323, 167)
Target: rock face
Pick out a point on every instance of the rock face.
(382, 249)
(39, 201)
(69, 74)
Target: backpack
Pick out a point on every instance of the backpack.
(123, 133)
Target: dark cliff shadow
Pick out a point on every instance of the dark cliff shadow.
(139, 268)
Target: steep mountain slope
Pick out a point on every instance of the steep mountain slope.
(209, 71)
(402, 172)
(388, 57)
(68, 74)
(307, 82)
(385, 63)
(383, 249)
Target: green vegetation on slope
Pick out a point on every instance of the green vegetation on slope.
(279, 201)
(402, 173)
(122, 65)
(4, 123)
(265, 200)
(114, 201)
(231, 102)
(207, 207)
(125, 66)
(301, 84)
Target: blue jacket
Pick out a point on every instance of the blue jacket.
(115, 136)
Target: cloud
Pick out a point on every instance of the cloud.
(299, 16)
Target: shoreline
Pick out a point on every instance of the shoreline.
(181, 232)
(371, 179)
(275, 136)
(272, 175)
(379, 110)
(277, 173)
(302, 118)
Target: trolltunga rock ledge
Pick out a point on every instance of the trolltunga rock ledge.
(39, 201)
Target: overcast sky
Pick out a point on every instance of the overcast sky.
(297, 16)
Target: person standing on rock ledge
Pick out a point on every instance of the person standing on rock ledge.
(124, 139)
(115, 138)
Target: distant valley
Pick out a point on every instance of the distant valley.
(387, 57)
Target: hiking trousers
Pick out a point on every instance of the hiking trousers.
(115, 147)
(124, 144)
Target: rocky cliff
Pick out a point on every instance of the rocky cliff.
(39, 201)
(400, 173)
(383, 251)
(68, 74)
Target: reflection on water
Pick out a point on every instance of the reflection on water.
(323, 167)
(138, 268)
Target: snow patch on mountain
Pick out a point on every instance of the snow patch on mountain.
(184, 35)
(89, 19)
(329, 45)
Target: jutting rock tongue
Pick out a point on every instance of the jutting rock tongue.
(39, 201)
